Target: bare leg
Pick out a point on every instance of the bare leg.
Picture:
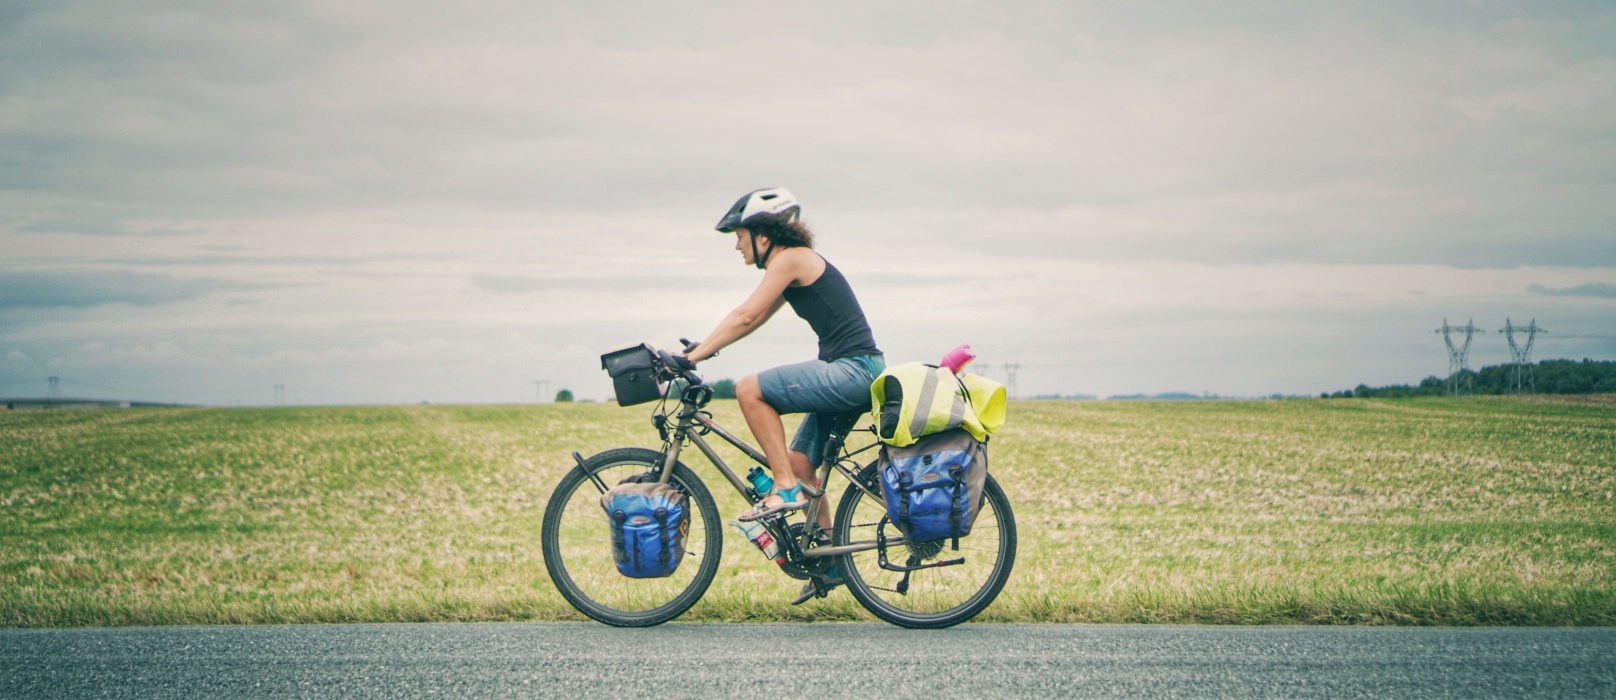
(769, 431)
(804, 472)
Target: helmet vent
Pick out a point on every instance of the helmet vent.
(768, 197)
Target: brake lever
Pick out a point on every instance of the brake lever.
(689, 346)
(666, 370)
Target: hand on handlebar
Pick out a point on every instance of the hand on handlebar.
(680, 363)
(671, 366)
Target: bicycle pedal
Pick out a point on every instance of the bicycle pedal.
(776, 521)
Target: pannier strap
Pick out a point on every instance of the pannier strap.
(662, 536)
(905, 480)
(618, 540)
(956, 505)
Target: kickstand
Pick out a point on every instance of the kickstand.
(903, 585)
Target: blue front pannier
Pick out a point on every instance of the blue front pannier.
(933, 488)
(649, 523)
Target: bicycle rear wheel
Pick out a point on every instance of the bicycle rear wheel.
(577, 544)
(941, 596)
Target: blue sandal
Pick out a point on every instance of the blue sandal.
(791, 499)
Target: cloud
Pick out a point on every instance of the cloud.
(1602, 290)
(77, 220)
(1264, 135)
(44, 290)
(89, 226)
(521, 284)
(1080, 183)
(266, 260)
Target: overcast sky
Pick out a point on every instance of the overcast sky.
(381, 202)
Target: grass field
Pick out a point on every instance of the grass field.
(1476, 511)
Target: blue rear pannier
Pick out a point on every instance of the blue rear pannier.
(649, 523)
(933, 488)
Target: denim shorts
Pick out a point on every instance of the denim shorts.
(816, 387)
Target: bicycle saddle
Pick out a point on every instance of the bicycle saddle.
(843, 422)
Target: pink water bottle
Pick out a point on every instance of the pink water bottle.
(957, 359)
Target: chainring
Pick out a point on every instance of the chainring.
(808, 567)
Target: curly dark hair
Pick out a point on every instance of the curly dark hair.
(784, 234)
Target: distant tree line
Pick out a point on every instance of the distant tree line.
(1548, 377)
(722, 389)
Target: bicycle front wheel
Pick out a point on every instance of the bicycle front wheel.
(954, 585)
(577, 544)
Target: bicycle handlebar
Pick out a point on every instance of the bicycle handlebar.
(670, 368)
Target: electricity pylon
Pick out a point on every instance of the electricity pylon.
(1521, 354)
(1458, 355)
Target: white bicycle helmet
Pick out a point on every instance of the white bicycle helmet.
(772, 202)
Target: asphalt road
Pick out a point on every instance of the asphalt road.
(777, 661)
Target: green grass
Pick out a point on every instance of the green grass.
(1477, 511)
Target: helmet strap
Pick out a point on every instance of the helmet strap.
(763, 261)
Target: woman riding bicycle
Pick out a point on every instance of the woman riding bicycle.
(770, 236)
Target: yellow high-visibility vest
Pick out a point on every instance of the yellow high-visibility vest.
(927, 400)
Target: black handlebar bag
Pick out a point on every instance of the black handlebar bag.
(633, 372)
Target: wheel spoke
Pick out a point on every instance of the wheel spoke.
(578, 545)
(935, 596)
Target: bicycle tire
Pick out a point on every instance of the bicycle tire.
(946, 595)
(576, 544)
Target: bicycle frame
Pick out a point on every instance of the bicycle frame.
(693, 423)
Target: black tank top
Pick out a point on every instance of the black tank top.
(829, 307)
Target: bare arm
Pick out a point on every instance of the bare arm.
(736, 325)
(754, 312)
